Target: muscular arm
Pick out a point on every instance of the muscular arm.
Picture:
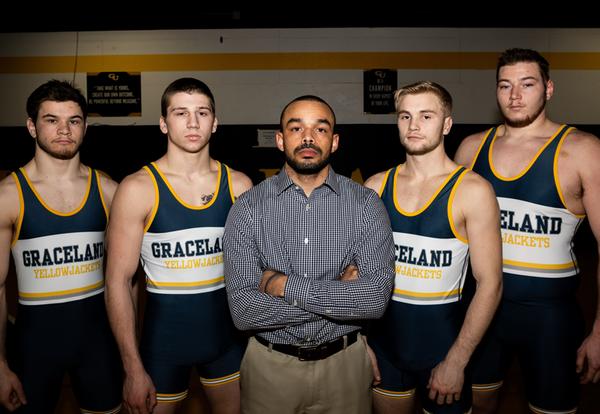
(476, 202)
(11, 391)
(585, 161)
(132, 204)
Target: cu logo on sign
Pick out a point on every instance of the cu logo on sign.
(113, 76)
(380, 74)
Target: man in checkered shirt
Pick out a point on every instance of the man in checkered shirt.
(309, 256)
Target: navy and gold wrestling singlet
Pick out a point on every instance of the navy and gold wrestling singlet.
(61, 323)
(182, 255)
(425, 314)
(540, 275)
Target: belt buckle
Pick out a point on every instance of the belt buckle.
(311, 353)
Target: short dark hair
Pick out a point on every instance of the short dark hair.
(423, 87)
(57, 91)
(187, 85)
(312, 98)
(516, 55)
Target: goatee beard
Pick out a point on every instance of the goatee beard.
(65, 155)
(308, 167)
(521, 123)
(420, 151)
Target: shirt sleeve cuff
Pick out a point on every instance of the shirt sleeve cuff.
(297, 291)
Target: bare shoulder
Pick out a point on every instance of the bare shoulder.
(376, 181)
(109, 186)
(468, 148)
(9, 199)
(135, 192)
(106, 180)
(583, 145)
(7, 184)
(475, 191)
(240, 182)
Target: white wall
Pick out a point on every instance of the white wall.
(254, 72)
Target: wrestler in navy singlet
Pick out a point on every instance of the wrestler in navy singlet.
(538, 310)
(187, 320)
(61, 323)
(425, 314)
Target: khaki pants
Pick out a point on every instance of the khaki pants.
(276, 383)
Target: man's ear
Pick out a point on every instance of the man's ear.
(549, 89)
(163, 125)
(279, 140)
(335, 142)
(31, 128)
(447, 125)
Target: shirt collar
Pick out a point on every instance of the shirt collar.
(282, 181)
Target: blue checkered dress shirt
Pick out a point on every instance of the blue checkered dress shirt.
(311, 240)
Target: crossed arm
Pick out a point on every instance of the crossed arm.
(266, 298)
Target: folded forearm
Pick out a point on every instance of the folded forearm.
(255, 311)
(343, 300)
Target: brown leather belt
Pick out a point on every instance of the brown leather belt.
(312, 353)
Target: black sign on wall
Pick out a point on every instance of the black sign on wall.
(379, 87)
(114, 94)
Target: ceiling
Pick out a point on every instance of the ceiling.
(186, 16)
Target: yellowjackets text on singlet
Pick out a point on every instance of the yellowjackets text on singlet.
(182, 249)
(431, 260)
(537, 228)
(59, 256)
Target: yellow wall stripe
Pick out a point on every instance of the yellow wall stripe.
(282, 61)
